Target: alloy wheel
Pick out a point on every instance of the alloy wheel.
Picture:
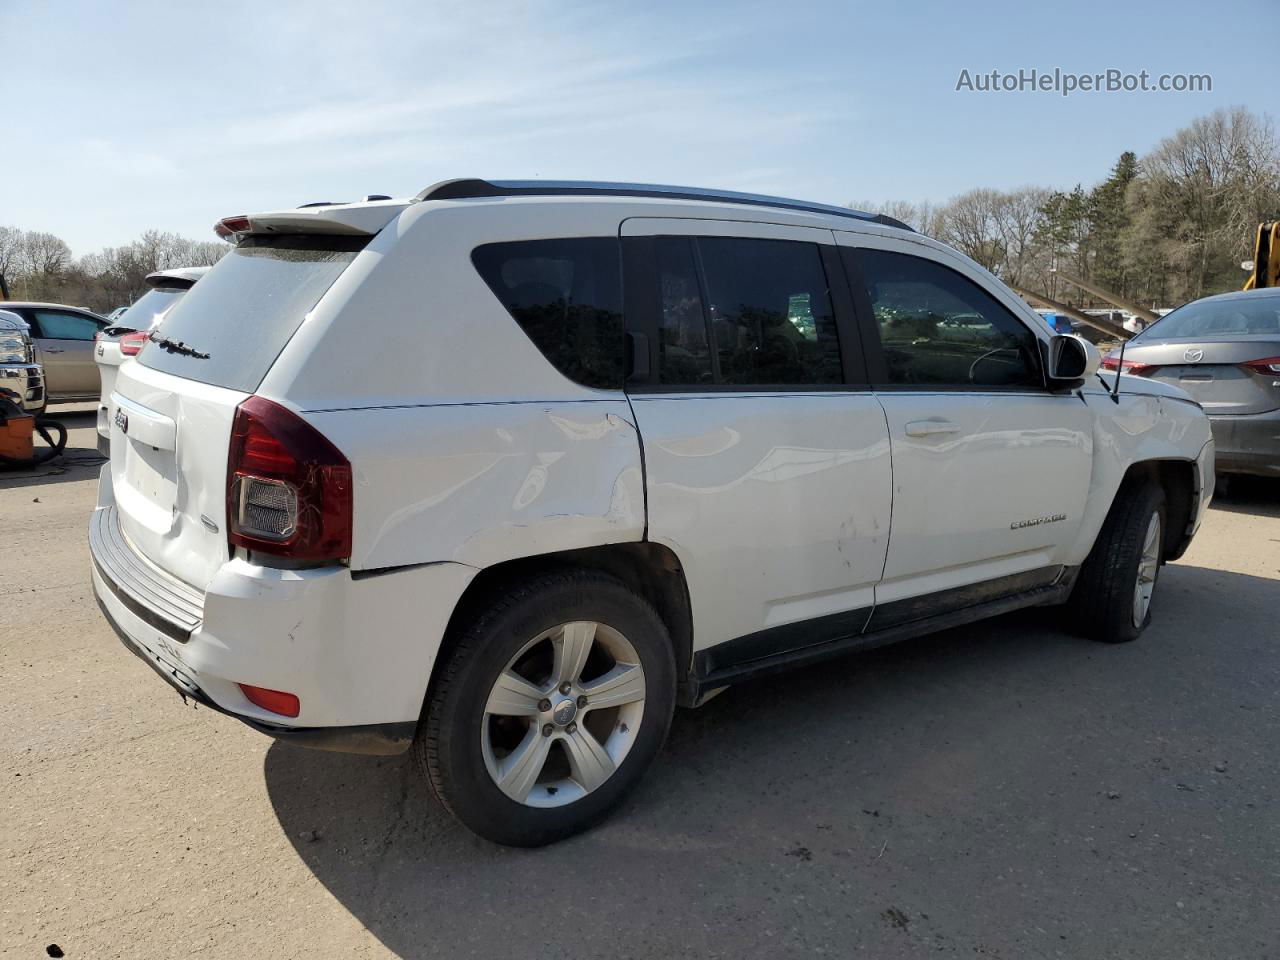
(1148, 567)
(563, 714)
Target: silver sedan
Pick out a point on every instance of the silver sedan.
(1225, 352)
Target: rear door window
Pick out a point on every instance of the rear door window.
(745, 312)
(229, 328)
(684, 351)
(566, 295)
(771, 315)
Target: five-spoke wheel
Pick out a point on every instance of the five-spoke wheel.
(563, 714)
(549, 704)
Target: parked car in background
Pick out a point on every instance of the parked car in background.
(1225, 352)
(63, 337)
(20, 375)
(128, 332)
(613, 447)
(1057, 322)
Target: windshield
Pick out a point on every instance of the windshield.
(1205, 319)
(231, 326)
(150, 308)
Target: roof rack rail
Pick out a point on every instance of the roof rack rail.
(465, 188)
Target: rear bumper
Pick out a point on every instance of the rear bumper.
(357, 651)
(1248, 444)
(384, 739)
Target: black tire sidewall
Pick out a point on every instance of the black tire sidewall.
(454, 719)
(1104, 600)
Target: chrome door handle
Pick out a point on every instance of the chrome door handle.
(54, 350)
(930, 428)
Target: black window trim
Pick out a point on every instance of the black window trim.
(642, 314)
(878, 369)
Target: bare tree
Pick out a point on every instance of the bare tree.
(1201, 193)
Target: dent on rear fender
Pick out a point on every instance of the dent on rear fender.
(480, 484)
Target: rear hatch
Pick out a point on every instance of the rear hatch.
(1217, 374)
(177, 402)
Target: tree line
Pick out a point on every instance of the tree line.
(1161, 229)
(40, 266)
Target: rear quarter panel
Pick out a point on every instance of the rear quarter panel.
(482, 483)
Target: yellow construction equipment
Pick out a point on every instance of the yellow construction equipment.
(1266, 257)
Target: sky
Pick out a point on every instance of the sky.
(120, 117)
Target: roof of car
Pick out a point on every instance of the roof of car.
(368, 216)
(37, 305)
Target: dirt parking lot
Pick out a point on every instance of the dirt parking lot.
(1001, 790)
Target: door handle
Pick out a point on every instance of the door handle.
(930, 428)
(54, 350)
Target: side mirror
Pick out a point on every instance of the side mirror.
(1072, 361)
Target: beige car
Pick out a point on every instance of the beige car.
(63, 337)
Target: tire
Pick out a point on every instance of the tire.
(461, 743)
(1104, 604)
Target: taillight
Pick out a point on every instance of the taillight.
(288, 487)
(228, 227)
(1130, 366)
(1267, 366)
(132, 343)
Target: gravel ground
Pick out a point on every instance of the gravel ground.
(1001, 790)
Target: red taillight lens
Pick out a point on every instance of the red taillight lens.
(228, 227)
(132, 343)
(277, 701)
(1267, 366)
(288, 487)
(1130, 366)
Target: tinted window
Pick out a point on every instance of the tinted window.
(567, 297)
(940, 328)
(1253, 316)
(771, 316)
(150, 308)
(684, 356)
(242, 312)
(66, 326)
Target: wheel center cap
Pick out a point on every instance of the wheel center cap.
(564, 712)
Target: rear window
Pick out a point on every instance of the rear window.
(231, 326)
(150, 308)
(1209, 318)
(566, 295)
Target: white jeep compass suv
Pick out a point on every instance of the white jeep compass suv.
(505, 472)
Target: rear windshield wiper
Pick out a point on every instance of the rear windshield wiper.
(177, 346)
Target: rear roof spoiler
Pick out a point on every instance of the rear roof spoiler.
(343, 219)
(176, 276)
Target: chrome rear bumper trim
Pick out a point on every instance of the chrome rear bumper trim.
(165, 602)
